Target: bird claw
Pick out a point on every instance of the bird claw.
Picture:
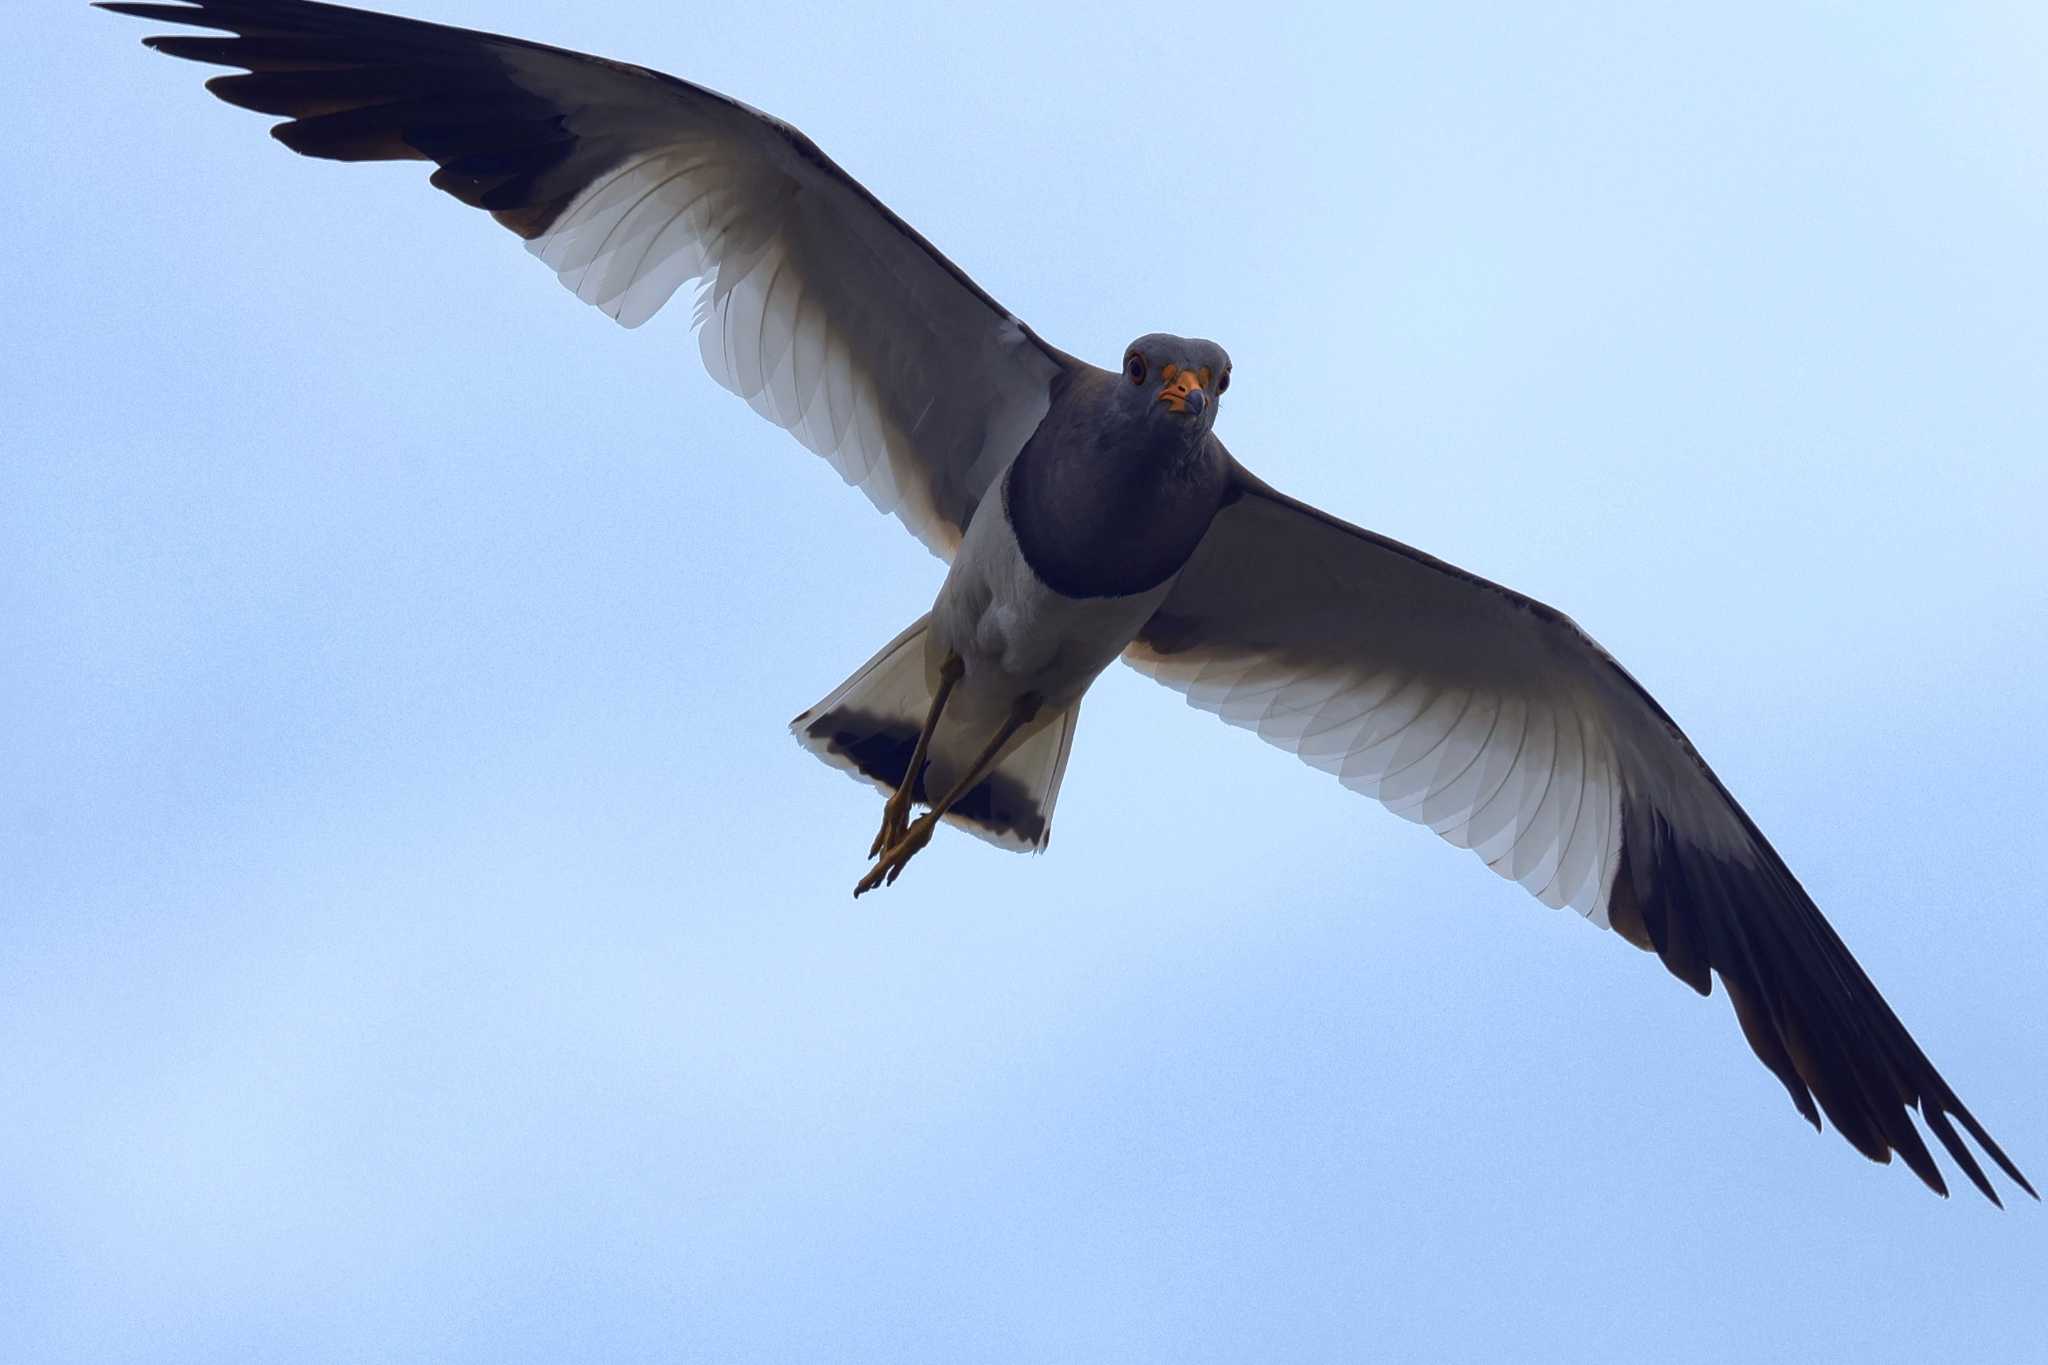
(895, 823)
(899, 854)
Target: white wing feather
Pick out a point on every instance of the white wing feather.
(1497, 723)
(822, 314)
(826, 312)
(1352, 655)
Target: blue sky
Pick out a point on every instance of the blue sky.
(423, 942)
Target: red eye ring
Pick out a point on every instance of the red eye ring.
(1134, 367)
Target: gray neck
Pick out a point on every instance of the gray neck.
(1105, 498)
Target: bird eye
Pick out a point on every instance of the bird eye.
(1134, 367)
(1223, 383)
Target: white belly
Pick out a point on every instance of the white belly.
(1014, 633)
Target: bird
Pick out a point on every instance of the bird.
(1087, 515)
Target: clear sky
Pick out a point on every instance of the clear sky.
(420, 939)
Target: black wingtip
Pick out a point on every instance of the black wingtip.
(1808, 1010)
(1996, 1153)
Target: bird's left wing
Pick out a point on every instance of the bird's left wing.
(817, 305)
(1502, 726)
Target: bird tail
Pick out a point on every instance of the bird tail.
(868, 725)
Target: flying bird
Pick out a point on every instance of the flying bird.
(1091, 514)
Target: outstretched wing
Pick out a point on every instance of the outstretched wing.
(817, 305)
(1502, 726)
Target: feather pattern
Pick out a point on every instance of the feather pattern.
(1499, 724)
(825, 311)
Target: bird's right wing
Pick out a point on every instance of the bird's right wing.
(819, 306)
(1500, 725)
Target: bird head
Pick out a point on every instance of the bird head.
(1176, 379)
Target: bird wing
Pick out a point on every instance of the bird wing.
(1502, 726)
(825, 311)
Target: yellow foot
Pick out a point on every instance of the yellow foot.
(895, 821)
(884, 873)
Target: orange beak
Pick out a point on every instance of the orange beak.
(1182, 391)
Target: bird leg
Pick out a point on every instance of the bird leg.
(884, 873)
(896, 813)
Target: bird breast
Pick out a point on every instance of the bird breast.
(1015, 632)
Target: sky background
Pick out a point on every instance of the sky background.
(420, 939)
